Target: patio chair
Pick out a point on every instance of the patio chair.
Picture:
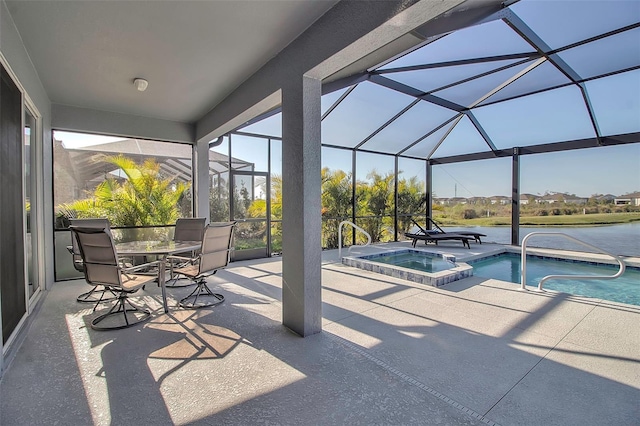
(98, 293)
(476, 235)
(101, 267)
(187, 229)
(214, 255)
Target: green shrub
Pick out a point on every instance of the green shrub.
(469, 214)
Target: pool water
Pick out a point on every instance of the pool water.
(417, 260)
(506, 267)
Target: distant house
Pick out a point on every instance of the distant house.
(527, 198)
(457, 200)
(558, 197)
(572, 199)
(632, 199)
(441, 201)
(552, 198)
(450, 201)
(476, 200)
(606, 198)
(499, 199)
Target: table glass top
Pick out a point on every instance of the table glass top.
(156, 247)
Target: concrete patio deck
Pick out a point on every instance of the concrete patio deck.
(475, 351)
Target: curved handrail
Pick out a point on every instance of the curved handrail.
(523, 261)
(356, 227)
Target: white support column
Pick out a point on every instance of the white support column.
(301, 205)
(201, 181)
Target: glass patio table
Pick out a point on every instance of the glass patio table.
(162, 249)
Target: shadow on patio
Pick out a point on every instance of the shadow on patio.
(392, 352)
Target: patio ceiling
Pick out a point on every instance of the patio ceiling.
(540, 76)
(193, 53)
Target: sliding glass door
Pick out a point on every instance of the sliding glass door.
(30, 202)
(12, 261)
(250, 201)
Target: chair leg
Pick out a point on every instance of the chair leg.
(174, 282)
(204, 293)
(102, 299)
(120, 307)
(91, 296)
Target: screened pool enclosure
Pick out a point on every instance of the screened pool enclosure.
(533, 111)
(541, 91)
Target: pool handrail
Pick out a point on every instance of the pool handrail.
(523, 262)
(356, 227)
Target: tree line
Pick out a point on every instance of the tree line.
(143, 196)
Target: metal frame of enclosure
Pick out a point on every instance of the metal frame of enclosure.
(484, 80)
(542, 64)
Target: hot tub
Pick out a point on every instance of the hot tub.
(413, 265)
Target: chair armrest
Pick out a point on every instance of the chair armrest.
(125, 261)
(136, 267)
(191, 260)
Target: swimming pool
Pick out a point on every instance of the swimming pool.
(506, 267)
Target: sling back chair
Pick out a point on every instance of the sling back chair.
(101, 267)
(98, 293)
(187, 229)
(214, 255)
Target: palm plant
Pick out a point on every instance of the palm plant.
(143, 198)
(219, 199)
(336, 204)
(412, 200)
(375, 201)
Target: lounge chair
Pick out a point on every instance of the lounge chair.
(476, 235)
(422, 235)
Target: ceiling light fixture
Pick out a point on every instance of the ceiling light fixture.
(141, 84)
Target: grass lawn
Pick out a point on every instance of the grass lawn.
(561, 220)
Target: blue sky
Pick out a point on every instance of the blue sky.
(539, 118)
(607, 170)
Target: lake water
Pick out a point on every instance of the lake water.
(617, 239)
